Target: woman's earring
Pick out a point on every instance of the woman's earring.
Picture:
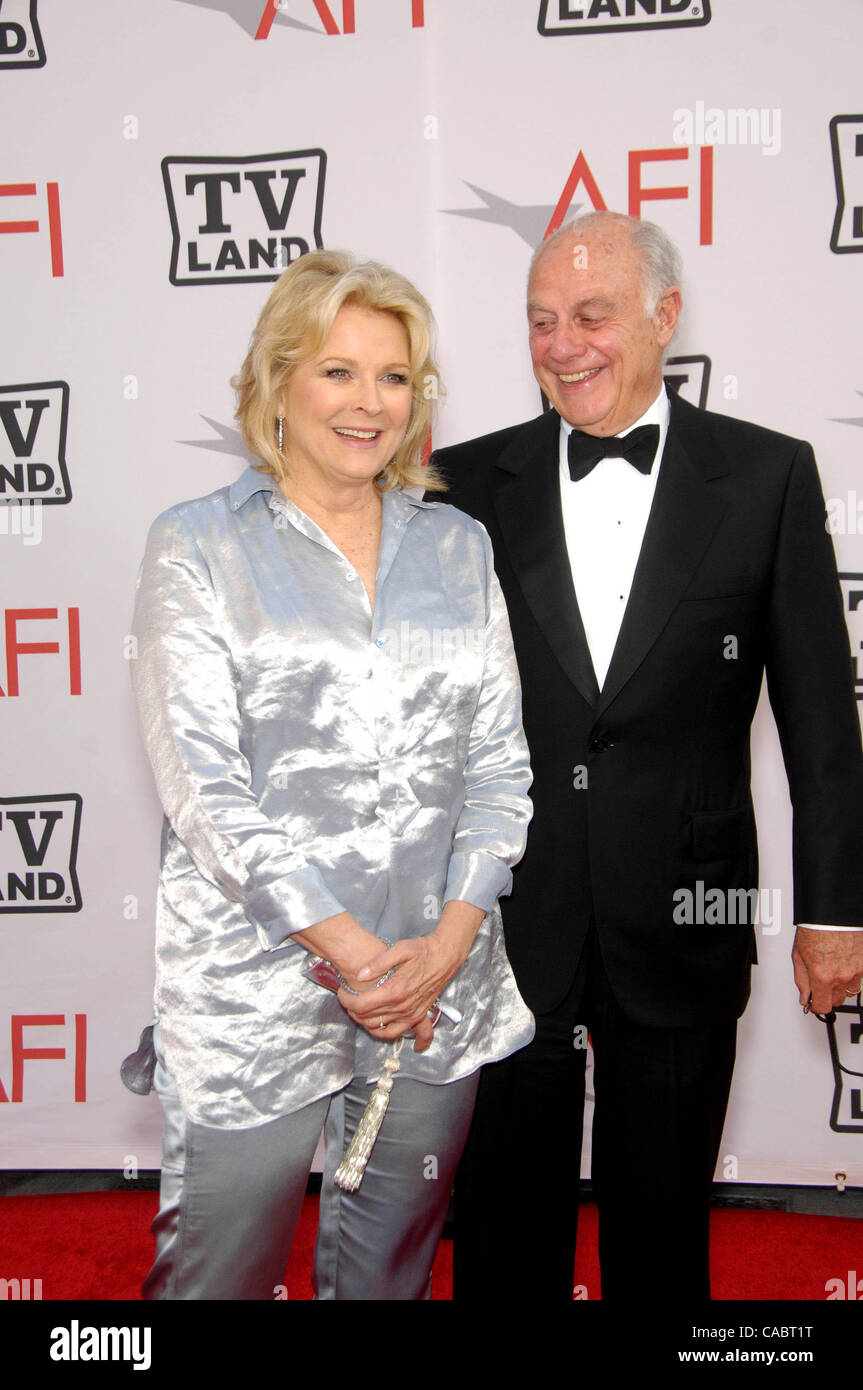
(280, 432)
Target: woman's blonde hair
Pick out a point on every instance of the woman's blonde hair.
(292, 327)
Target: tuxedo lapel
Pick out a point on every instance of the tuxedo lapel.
(683, 519)
(527, 505)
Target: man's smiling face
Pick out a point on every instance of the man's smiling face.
(595, 354)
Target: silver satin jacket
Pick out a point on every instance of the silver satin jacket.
(314, 757)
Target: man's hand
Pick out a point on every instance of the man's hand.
(828, 966)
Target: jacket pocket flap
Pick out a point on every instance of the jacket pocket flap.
(720, 586)
(721, 834)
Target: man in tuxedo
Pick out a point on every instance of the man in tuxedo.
(651, 579)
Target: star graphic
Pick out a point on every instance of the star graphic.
(848, 419)
(527, 221)
(247, 13)
(230, 441)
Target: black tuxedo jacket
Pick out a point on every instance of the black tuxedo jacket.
(736, 575)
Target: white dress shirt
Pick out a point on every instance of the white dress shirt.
(604, 519)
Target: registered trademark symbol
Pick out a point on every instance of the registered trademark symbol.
(696, 10)
(57, 491)
(31, 53)
(68, 900)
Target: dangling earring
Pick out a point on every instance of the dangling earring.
(280, 432)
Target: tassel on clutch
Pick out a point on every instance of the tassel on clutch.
(349, 1173)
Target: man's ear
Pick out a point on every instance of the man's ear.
(667, 314)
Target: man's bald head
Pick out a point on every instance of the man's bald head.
(658, 257)
(602, 305)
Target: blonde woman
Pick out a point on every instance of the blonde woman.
(328, 694)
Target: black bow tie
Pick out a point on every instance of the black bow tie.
(585, 450)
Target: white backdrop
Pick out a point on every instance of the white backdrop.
(439, 137)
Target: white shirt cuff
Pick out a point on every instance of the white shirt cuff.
(819, 926)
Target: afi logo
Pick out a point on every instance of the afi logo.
(616, 16)
(38, 853)
(533, 224)
(846, 143)
(17, 224)
(581, 175)
(33, 422)
(22, 1053)
(16, 648)
(20, 40)
(852, 592)
(242, 219)
(325, 14)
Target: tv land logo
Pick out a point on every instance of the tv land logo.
(39, 853)
(846, 145)
(20, 37)
(845, 1035)
(558, 17)
(242, 220)
(33, 423)
(852, 592)
(688, 377)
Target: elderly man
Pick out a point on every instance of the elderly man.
(656, 559)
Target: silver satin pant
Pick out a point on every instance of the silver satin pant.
(230, 1199)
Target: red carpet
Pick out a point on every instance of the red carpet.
(98, 1246)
